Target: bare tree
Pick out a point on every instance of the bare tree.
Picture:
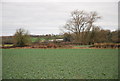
(81, 23)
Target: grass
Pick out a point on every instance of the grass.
(8, 45)
(33, 39)
(83, 46)
(60, 63)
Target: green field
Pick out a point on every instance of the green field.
(60, 63)
(83, 46)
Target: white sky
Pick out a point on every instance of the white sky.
(59, 0)
(49, 16)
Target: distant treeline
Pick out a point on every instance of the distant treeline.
(10, 39)
(101, 36)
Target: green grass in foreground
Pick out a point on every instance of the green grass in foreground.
(60, 63)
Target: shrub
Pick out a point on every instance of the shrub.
(21, 38)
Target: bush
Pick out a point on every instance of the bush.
(21, 38)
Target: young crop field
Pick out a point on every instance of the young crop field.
(60, 63)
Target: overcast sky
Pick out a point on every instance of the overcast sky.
(49, 17)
